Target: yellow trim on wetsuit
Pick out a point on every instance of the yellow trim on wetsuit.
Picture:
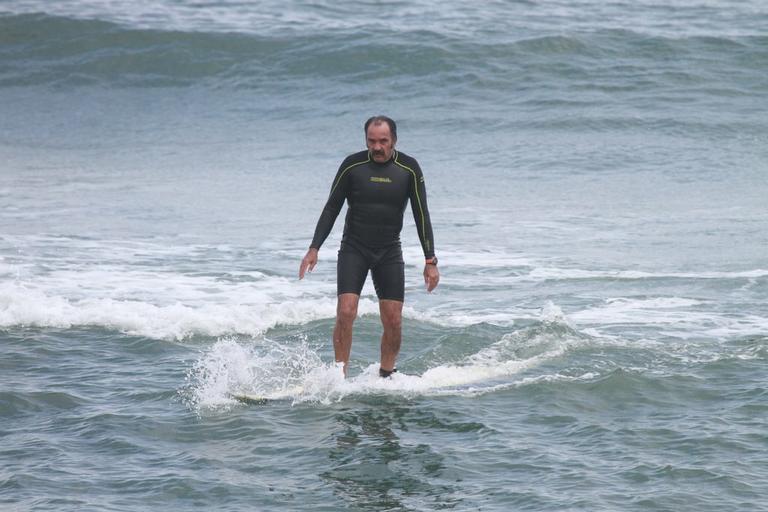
(341, 175)
(418, 199)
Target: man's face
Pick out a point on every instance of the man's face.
(379, 142)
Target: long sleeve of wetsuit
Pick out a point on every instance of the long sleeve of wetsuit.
(332, 207)
(418, 197)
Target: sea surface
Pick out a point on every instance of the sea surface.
(597, 177)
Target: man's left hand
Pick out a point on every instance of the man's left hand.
(431, 276)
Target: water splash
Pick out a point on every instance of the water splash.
(294, 371)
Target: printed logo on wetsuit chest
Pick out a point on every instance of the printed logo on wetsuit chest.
(380, 179)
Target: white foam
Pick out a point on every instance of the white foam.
(145, 288)
(551, 313)
(296, 372)
(125, 285)
(150, 289)
(244, 308)
(526, 381)
(463, 319)
(671, 316)
(746, 325)
(554, 273)
(653, 311)
(230, 366)
(452, 258)
(168, 306)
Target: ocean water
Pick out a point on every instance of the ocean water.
(597, 176)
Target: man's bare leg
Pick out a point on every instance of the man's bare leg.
(346, 312)
(392, 320)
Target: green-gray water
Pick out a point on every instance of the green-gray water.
(597, 176)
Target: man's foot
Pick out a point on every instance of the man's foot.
(386, 373)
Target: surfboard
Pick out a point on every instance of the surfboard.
(250, 398)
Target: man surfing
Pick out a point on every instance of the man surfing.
(376, 184)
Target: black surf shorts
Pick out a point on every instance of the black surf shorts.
(385, 263)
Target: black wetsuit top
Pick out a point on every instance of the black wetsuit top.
(377, 194)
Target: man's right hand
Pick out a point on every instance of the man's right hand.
(308, 263)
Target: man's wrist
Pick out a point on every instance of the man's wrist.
(431, 261)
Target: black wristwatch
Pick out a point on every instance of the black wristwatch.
(432, 260)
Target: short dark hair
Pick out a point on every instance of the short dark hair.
(382, 119)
